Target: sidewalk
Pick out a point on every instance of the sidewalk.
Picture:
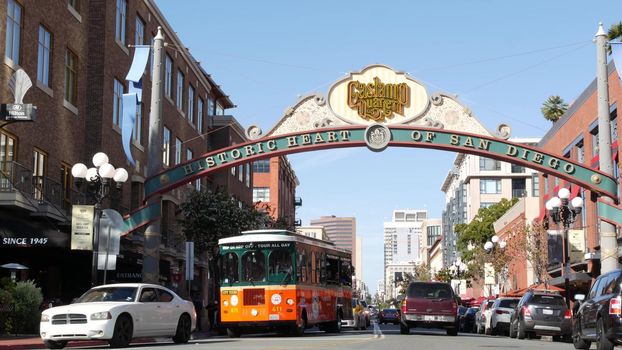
(34, 342)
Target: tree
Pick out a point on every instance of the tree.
(615, 32)
(210, 216)
(443, 275)
(553, 108)
(530, 243)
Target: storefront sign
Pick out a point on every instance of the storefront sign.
(489, 274)
(576, 245)
(82, 227)
(17, 112)
(24, 241)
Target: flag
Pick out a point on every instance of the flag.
(616, 56)
(133, 97)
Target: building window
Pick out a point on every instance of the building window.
(490, 186)
(13, 30)
(261, 194)
(210, 106)
(166, 146)
(71, 77)
(38, 173)
(613, 125)
(75, 4)
(178, 150)
(489, 164)
(138, 125)
(486, 204)
(8, 145)
(219, 109)
(580, 152)
(180, 90)
(535, 185)
(190, 104)
(595, 141)
(121, 18)
(261, 166)
(140, 31)
(241, 173)
(248, 175)
(189, 154)
(43, 60)
(117, 103)
(200, 115)
(66, 183)
(517, 169)
(168, 77)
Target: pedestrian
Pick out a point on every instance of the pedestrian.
(197, 300)
(212, 312)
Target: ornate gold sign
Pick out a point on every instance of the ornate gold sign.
(378, 95)
(378, 101)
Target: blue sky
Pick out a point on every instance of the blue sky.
(502, 59)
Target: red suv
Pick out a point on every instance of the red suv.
(429, 305)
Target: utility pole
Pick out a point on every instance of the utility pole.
(608, 241)
(151, 246)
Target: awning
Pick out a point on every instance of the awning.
(574, 277)
(17, 231)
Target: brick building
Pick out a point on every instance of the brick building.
(274, 188)
(575, 136)
(76, 54)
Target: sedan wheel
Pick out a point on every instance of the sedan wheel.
(512, 331)
(577, 341)
(520, 332)
(123, 330)
(184, 328)
(51, 344)
(602, 343)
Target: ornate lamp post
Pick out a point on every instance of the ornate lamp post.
(457, 268)
(565, 212)
(98, 180)
(492, 247)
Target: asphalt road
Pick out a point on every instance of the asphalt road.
(385, 337)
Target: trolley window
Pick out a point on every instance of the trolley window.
(229, 272)
(280, 266)
(254, 266)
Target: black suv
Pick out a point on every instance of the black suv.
(598, 318)
(541, 312)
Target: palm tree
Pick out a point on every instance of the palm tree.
(553, 108)
(615, 32)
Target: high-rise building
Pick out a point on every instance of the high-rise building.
(478, 182)
(402, 241)
(341, 231)
(431, 230)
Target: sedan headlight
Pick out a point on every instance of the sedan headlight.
(45, 318)
(101, 316)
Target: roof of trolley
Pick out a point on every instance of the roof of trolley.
(267, 235)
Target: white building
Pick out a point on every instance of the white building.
(317, 232)
(394, 275)
(477, 182)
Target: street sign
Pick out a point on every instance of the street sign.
(82, 227)
(489, 274)
(17, 112)
(111, 227)
(189, 261)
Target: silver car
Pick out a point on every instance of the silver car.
(500, 313)
(480, 317)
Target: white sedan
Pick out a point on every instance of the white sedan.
(118, 313)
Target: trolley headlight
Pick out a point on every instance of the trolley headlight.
(234, 300)
(276, 299)
(225, 303)
(290, 301)
(45, 318)
(254, 312)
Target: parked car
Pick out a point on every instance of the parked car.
(482, 314)
(598, 318)
(541, 313)
(468, 320)
(501, 310)
(389, 316)
(429, 305)
(118, 313)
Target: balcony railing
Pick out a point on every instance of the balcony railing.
(519, 193)
(39, 191)
(298, 202)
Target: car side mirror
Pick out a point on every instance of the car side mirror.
(579, 297)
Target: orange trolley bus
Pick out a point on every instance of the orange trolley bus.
(281, 281)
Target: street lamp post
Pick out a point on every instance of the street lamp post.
(98, 180)
(565, 212)
(491, 248)
(457, 268)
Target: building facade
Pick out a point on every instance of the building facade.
(341, 231)
(478, 182)
(317, 232)
(76, 54)
(575, 136)
(274, 189)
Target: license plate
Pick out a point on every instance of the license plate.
(547, 312)
(430, 318)
(273, 317)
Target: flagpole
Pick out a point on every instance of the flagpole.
(608, 239)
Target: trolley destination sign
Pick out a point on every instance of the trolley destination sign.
(402, 136)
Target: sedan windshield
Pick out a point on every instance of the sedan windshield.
(127, 294)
